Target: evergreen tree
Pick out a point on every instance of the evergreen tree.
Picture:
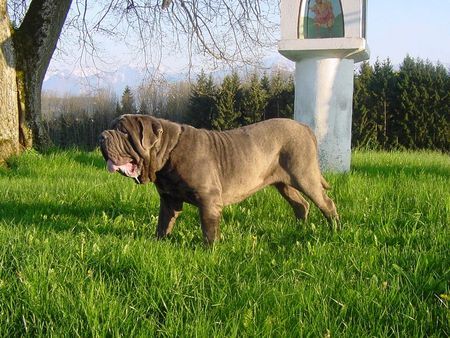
(143, 108)
(254, 102)
(423, 105)
(228, 101)
(118, 109)
(407, 110)
(281, 97)
(265, 86)
(364, 126)
(441, 108)
(127, 103)
(202, 102)
(287, 98)
(383, 88)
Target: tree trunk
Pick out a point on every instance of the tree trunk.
(9, 118)
(24, 59)
(35, 42)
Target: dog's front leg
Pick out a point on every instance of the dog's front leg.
(210, 214)
(169, 209)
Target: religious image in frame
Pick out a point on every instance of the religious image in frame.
(323, 19)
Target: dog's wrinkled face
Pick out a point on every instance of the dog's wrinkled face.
(128, 147)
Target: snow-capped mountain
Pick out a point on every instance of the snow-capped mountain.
(87, 80)
(83, 81)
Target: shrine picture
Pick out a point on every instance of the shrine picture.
(323, 19)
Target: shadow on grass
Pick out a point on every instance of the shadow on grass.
(124, 221)
(75, 219)
(114, 220)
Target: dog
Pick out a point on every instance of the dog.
(213, 169)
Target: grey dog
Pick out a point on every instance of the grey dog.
(212, 169)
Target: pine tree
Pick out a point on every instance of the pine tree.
(423, 101)
(383, 88)
(255, 99)
(202, 102)
(228, 100)
(281, 97)
(265, 85)
(364, 127)
(441, 108)
(143, 108)
(287, 98)
(276, 87)
(118, 109)
(127, 103)
(407, 110)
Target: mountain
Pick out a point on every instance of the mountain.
(88, 80)
(77, 82)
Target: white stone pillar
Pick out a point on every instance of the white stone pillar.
(323, 101)
(324, 62)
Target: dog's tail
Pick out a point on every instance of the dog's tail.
(325, 184)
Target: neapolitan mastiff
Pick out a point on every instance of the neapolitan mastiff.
(212, 169)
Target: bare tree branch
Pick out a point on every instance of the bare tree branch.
(225, 31)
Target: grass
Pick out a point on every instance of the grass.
(78, 256)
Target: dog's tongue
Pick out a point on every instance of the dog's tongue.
(128, 169)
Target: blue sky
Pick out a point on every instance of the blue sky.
(395, 28)
(418, 28)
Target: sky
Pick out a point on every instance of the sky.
(418, 28)
(395, 28)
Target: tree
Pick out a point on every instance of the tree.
(422, 117)
(177, 102)
(404, 109)
(152, 97)
(24, 57)
(383, 91)
(143, 109)
(228, 100)
(223, 29)
(127, 102)
(441, 108)
(281, 96)
(364, 126)
(202, 102)
(265, 85)
(255, 99)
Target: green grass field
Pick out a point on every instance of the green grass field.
(78, 256)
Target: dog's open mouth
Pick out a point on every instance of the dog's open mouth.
(129, 169)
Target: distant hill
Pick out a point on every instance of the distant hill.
(85, 81)
(78, 82)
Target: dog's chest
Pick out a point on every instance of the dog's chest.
(171, 184)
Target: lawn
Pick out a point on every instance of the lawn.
(78, 256)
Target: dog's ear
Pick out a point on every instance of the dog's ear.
(151, 132)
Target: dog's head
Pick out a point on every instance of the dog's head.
(130, 146)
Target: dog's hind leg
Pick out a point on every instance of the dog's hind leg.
(313, 188)
(295, 199)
